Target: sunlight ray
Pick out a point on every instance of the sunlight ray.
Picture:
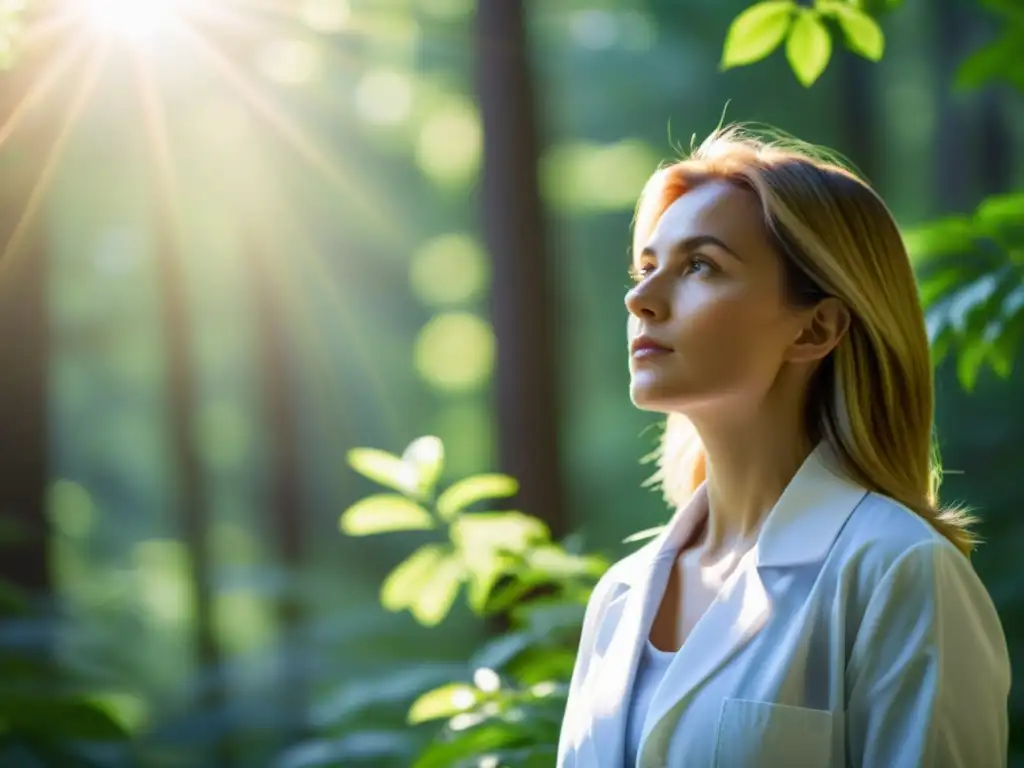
(296, 138)
(326, 284)
(155, 127)
(40, 88)
(294, 232)
(40, 31)
(87, 85)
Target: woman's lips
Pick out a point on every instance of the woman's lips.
(644, 347)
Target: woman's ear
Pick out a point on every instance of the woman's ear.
(824, 326)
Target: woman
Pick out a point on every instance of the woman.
(810, 603)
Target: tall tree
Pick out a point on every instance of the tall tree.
(181, 384)
(28, 153)
(515, 234)
(277, 370)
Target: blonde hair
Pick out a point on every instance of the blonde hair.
(872, 399)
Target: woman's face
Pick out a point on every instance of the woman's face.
(710, 293)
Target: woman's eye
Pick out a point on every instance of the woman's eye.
(639, 273)
(698, 264)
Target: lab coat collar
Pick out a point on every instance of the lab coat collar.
(799, 529)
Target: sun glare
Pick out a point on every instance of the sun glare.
(129, 18)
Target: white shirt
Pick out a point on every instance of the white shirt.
(851, 634)
(654, 664)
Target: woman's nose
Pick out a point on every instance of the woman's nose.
(646, 303)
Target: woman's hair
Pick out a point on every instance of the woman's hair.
(872, 398)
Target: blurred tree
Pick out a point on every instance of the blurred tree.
(24, 331)
(181, 382)
(276, 370)
(527, 383)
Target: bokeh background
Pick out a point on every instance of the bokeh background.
(243, 237)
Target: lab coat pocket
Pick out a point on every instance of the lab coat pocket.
(758, 734)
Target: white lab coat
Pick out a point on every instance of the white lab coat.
(852, 634)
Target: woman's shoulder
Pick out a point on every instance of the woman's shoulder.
(884, 542)
(885, 530)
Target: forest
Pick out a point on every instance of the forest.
(315, 414)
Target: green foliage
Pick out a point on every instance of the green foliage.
(757, 32)
(385, 512)
(862, 33)
(809, 46)
(972, 276)
(1001, 59)
(511, 705)
(972, 285)
(762, 27)
(480, 548)
(43, 720)
(471, 490)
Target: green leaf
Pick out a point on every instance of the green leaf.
(999, 212)
(555, 563)
(426, 456)
(437, 594)
(969, 362)
(937, 320)
(953, 235)
(971, 300)
(384, 513)
(757, 32)
(71, 718)
(443, 702)
(500, 650)
(467, 492)
(1013, 302)
(995, 61)
(939, 285)
(502, 531)
(384, 468)
(863, 34)
(1006, 346)
(465, 747)
(808, 47)
(484, 573)
(401, 587)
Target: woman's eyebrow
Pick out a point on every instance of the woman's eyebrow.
(690, 244)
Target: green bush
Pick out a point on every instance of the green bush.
(509, 570)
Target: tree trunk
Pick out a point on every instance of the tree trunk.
(24, 340)
(287, 507)
(526, 386)
(182, 391)
(952, 171)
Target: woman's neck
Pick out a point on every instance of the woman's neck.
(746, 474)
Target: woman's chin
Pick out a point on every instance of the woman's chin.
(652, 396)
